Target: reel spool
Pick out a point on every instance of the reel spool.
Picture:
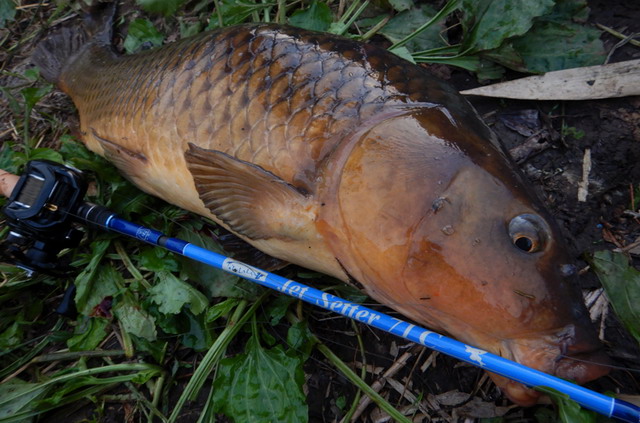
(40, 215)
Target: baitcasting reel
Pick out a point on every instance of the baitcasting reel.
(40, 214)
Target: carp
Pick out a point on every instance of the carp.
(343, 158)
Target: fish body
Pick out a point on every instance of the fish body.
(343, 158)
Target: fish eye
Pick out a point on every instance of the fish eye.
(528, 233)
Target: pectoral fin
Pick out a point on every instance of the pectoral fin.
(130, 162)
(253, 202)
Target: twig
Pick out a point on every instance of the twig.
(378, 384)
(620, 35)
(583, 185)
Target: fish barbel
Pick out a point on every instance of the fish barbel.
(340, 157)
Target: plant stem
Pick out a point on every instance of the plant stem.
(363, 374)
(129, 265)
(29, 355)
(282, 9)
(74, 355)
(447, 9)
(373, 31)
(620, 35)
(361, 384)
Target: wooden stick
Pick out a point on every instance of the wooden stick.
(593, 82)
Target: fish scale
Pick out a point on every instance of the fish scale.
(222, 79)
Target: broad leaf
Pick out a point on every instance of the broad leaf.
(134, 319)
(622, 284)
(45, 154)
(197, 335)
(16, 396)
(171, 294)
(552, 46)
(408, 21)
(32, 95)
(569, 411)
(233, 12)
(221, 309)
(488, 23)
(142, 34)
(316, 18)
(87, 296)
(261, 386)
(569, 10)
(88, 334)
(157, 259)
(216, 282)
(7, 11)
(404, 53)
(401, 5)
(162, 7)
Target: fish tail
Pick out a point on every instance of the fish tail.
(53, 53)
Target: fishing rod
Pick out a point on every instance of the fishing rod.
(48, 198)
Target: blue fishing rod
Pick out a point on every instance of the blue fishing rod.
(38, 196)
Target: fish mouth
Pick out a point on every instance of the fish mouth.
(579, 362)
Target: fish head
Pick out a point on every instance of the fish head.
(433, 219)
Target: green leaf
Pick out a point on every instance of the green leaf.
(8, 160)
(216, 282)
(488, 23)
(17, 396)
(487, 70)
(157, 348)
(278, 307)
(78, 156)
(552, 46)
(171, 294)
(142, 33)
(507, 56)
(157, 260)
(7, 12)
(11, 337)
(221, 309)
(126, 199)
(45, 154)
(88, 335)
(569, 411)
(622, 284)
(261, 385)
(161, 7)
(316, 18)
(407, 22)
(86, 297)
(234, 12)
(404, 53)
(569, 10)
(135, 320)
(32, 95)
(299, 337)
(197, 335)
(401, 5)
(189, 29)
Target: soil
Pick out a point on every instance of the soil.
(452, 391)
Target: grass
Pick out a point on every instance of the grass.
(135, 341)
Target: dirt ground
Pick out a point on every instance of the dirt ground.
(457, 392)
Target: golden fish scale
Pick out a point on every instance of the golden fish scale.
(277, 97)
